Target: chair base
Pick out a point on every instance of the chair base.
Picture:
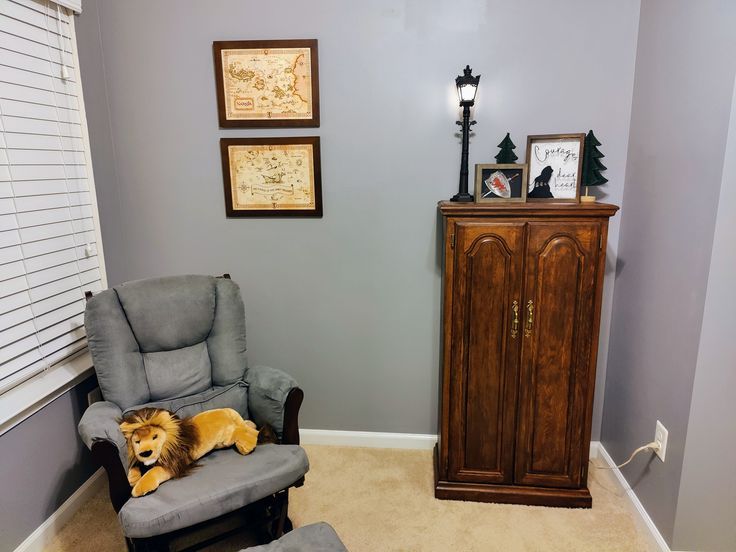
(268, 516)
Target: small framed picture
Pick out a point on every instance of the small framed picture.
(555, 167)
(504, 182)
(267, 83)
(272, 177)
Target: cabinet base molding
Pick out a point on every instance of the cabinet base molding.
(510, 494)
(513, 494)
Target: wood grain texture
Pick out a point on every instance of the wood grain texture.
(509, 493)
(515, 412)
(484, 369)
(561, 262)
(539, 209)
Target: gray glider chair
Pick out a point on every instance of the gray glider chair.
(179, 343)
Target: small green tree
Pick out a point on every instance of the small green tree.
(592, 165)
(506, 155)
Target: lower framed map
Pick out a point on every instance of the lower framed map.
(277, 177)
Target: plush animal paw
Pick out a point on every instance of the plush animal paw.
(144, 486)
(246, 439)
(134, 475)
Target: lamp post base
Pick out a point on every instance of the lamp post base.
(462, 197)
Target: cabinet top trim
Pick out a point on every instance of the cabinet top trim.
(451, 208)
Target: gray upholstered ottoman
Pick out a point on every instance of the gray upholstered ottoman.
(318, 537)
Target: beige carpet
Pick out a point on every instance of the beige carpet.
(382, 500)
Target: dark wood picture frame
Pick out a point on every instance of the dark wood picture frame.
(218, 46)
(502, 167)
(314, 141)
(573, 137)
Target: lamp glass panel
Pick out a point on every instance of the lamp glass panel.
(467, 92)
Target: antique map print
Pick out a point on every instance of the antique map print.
(270, 83)
(275, 176)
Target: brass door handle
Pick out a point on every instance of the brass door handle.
(515, 320)
(529, 318)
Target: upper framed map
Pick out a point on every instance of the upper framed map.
(267, 83)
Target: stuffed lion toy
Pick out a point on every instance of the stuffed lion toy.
(162, 446)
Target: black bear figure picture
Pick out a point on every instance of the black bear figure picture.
(541, 185)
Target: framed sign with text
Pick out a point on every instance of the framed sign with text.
(267, 83)
(555, 166)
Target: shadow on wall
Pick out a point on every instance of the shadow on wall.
(620, 264)
(83, 466)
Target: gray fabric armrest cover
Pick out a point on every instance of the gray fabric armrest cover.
(100, 423)
(267, 393)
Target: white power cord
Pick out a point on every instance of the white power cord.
(653, 446)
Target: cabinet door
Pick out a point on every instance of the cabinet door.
(485, 350)
(559, 304)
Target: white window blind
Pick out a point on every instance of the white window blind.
(48, 225)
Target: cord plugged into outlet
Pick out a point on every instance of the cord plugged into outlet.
(658, 446)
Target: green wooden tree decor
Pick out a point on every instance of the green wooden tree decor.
(506, 155)
(592, 166)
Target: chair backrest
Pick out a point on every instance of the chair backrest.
(164, 338)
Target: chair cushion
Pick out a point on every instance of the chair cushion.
(224, 482)
(166, 337)
(169, 313)
(228, 396)
(178, 373)
(318, 537)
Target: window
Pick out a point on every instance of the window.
(50, 251)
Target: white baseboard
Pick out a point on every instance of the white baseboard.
(595, 447)
(374, 439)
(45, 533)
(371, 439)
(602, 453)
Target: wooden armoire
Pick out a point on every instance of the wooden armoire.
(522, 287)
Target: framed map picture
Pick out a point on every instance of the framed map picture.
(555, 166)
(267, 83)
(272, 177)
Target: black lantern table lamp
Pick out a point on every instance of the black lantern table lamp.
(467, 86)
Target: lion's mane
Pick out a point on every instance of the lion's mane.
(181, 439)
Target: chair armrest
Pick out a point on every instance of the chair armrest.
(100, 423)
(100, 431)
(274, 399)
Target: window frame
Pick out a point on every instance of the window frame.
(30, 396)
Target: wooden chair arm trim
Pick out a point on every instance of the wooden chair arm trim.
(290, 435)
(106, 455)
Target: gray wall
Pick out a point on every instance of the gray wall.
(350, 303)
(42, 462)
(706, 507)
(682, 101)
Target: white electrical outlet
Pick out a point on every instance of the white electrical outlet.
(660, 437)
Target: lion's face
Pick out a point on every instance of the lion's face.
(152, 434)
(147, 443)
